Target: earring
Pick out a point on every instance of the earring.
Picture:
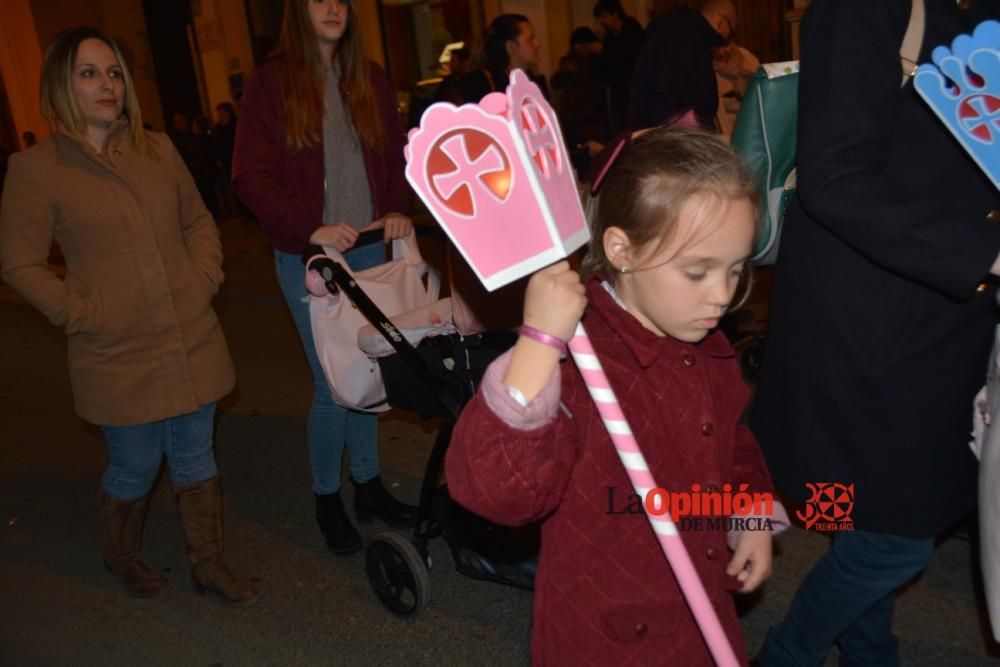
(623, 269)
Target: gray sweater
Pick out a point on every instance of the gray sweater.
(348, 195)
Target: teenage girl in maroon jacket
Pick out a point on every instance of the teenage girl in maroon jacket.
(319, 158)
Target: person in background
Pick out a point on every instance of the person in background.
(204, 168)
(223, 143)
(450, 88)
(623, 41)
(733, 67)
(882, 316)
(184, 140)
(511, 43)
(4, 158)
(147, 358)
(578, 97)
(319, 159)
(675, 70)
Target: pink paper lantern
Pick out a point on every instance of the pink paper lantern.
(498, 179)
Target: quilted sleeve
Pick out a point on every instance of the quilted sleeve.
(509, 475)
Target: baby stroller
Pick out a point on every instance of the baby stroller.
(435, 378)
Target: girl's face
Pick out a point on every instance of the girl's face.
(524, 51)
(329, 19)
(98, 86)
(682, 289)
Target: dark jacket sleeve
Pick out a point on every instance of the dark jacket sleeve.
(399, 196)
(849, 101)
(260, 141)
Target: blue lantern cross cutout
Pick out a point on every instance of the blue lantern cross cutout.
(963, 89)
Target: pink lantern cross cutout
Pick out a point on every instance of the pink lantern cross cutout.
(540, 139)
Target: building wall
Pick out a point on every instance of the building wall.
(224, 55)
(21, 66)
(371, 31)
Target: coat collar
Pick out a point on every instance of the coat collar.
(642, 343)
(117, 136)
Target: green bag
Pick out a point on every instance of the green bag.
(765, 132)
(764, 135)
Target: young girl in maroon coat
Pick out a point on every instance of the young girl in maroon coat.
(672, 229)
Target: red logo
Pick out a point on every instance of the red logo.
(830, 507)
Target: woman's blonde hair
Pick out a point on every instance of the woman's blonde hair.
(58, 101)
(302, 78)
(656, 174)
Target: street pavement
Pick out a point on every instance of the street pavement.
(58, 606)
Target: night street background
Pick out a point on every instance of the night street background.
(58, 606)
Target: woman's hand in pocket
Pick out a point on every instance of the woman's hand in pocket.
(84, 313)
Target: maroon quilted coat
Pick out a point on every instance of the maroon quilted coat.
(604, 594)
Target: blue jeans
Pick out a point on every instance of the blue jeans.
(847, 598)
(330, 425)
(137, 451)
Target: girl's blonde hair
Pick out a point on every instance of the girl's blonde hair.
(654, 176)
(58, 101)
(302, 78)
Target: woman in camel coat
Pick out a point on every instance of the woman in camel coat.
(147, 358)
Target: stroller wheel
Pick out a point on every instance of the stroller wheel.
(398, 574)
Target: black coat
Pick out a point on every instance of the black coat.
(674, 71)
(618, 60)
(878, 338)
(477, 84)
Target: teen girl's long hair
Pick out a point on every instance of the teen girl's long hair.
(302, 78)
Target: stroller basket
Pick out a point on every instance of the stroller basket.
(455, 363)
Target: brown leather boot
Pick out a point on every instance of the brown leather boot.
(121, 535)
(201, 518)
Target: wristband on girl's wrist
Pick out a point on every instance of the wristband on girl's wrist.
(545, 339)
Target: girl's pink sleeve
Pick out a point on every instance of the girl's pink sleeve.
(508, 462)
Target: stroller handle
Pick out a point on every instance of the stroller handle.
(334, 278)
(374, 236)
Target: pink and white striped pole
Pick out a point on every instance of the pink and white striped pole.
(642, 481)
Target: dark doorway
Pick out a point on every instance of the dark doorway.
(264, 17)
(169, 24)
